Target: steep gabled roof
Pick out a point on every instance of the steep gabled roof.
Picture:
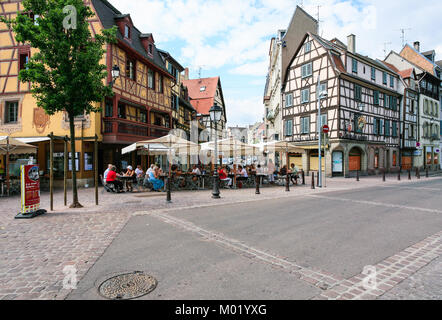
(108, 14)
(202, 100)
(421, 55)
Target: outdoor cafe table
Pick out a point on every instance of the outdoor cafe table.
(125, 179)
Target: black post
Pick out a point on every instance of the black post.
(426, 172)
(215, 192)
(169, 194)
(303, 177)
(317, 179)
(287, 183)
(409, 174)
(399, 175)
(357, 175)
(257, 182)
(418, 174)
(383, 175)
(313, 180)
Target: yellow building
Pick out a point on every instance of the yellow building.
(141, 108)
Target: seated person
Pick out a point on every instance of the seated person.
(294, 176)
(131, 174)
(242, 172)
(223, 176)
(139, 172)
(112, 178)
(196, 170)
(154, 178)
(109, 167)
(283, 171)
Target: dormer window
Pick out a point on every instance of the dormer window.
(150, 50)
(127, 31)
(202, 89)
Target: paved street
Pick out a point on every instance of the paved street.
(302, 244)
(313, 246)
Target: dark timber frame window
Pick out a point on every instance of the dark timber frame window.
(130, 68)
(151, 79)
(109, 108)
(11, 112)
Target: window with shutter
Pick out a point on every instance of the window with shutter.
(376, 97)
(305, 95)
(387, 128)
(381, 127)
(355, 66)
(375, 126)
(384, 78)
(386, 101)
(358, 91)
(373, 74)
(306, 70)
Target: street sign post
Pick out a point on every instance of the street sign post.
(325, 129)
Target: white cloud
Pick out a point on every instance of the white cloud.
(233, 36)
(253, 69)
(244, 111)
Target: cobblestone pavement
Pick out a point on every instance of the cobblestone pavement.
(426, 284)
(35, 252)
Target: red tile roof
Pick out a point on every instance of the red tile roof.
(392, 67)
(405, 74)
(202, 101)
(338, 63)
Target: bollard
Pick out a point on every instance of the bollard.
(383, 175)
(399, 175)
(317, 179)
(409, 174)
(357, 175)
(303, 177)
(257, 182)
(426, 172)
(313, 180)
(418, 174)
(287, 183)
(169, 196)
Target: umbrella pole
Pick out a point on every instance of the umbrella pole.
(51, 170)
(287, 181)
(7, 166)
(66, 169)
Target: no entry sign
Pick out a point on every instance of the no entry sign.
(326, 129)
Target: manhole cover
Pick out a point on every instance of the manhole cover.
(127, 286)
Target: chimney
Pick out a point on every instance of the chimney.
(417, 46)
(351, 43)
(186, 74)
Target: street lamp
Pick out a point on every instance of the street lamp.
(215, 116)
(321, 95)
(115, 72)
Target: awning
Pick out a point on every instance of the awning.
(33, 139)
(14, 146)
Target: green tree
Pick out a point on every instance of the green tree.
(65, 73)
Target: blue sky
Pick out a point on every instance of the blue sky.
(231, 38)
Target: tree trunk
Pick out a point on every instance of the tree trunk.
(75, 202)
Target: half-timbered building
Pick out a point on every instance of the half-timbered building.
(428, 123)
(139, 110)
(204, 93)
(361, 107)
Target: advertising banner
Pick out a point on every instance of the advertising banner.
(30, 189)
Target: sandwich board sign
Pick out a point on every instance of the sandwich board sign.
(30, 192)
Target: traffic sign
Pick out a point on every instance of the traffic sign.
(326, 129)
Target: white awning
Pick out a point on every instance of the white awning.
(33, 139)
(28, 140)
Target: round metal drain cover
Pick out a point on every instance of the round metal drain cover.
(127, 286)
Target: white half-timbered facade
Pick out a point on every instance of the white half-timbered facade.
(361, 108)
